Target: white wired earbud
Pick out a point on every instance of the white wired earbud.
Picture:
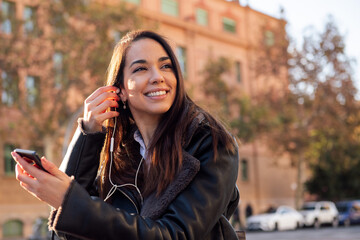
(114, 186)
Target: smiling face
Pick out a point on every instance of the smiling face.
(149, 80)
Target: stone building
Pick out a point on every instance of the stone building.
(199, 30)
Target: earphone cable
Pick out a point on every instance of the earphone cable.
(114, 186)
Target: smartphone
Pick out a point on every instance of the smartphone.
(30, 156)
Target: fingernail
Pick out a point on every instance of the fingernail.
(117, 90)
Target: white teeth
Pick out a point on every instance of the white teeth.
(158, 93)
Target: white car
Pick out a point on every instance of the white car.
(282, 218)
(317, 213)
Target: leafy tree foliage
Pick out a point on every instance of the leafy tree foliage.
(335, 143)
(68, 51)
(314, 118)
(252, 120)
(317, 120)
(215, 89)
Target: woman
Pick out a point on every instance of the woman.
(167, 169)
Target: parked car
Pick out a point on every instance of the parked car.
(318, 213)
(281, 218)
(349, 212)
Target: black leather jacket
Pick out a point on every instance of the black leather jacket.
(196, 205)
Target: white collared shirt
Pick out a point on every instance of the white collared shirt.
(143, 150)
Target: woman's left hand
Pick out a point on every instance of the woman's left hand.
(48, 187)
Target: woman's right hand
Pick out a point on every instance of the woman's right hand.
(95, 107)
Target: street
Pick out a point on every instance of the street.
(325, 233)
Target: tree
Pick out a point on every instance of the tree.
(314, 117)
(215, 88)
(68, 53)
(335, 143)
(317, 117)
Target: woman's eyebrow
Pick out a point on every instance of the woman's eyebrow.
(144, 61)
(163, 59)
(138, 61)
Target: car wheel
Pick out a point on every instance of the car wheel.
(347, 223)
(317, 224)
(276, 227)
(335, 222)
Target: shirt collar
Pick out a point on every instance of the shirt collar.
(140, 140)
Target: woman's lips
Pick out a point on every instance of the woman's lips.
(156, 93)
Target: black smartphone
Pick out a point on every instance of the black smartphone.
(30, 156)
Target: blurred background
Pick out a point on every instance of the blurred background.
(282, 75)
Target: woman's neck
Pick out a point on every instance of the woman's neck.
(147, 128)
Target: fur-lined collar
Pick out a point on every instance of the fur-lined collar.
(155, 206)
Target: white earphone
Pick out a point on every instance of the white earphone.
(114, 186)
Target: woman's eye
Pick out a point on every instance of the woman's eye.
(167, 65)
(139, 69)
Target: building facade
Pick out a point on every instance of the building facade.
(199, 30)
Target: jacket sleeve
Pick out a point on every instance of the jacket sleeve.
(82, 157)
(192, 215)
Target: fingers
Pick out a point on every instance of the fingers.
(26, 166)
(21, 175)
(106, 96)
(102, 107)
(94, 119)
(102, 90)
(107, 115)
(102, 99)
(26, 181)
(52, 168)
(50, 188)
(96, 106)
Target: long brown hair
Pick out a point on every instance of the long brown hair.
(165, 147)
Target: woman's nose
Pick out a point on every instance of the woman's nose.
(156, 76)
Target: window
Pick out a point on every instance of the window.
(229, 25)
(356, 207)
(170, 7)
(13, 228)
(32, 90)
(8, 16)
(58, 23)
(8, 160)
(244, 170)
(59, 76)
(324, 207)
(202, 17)
(30, 20)
(10, 90)
(181, 55)
(137, 2)
(269, 38)
(238, 71)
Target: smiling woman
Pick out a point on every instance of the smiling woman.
(149, 83)
(147, 162)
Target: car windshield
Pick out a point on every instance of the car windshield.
(342, 207)
(270, 210)
(308, 207)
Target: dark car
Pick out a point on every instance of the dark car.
(349, 212)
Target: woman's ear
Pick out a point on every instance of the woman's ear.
(123, 95)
